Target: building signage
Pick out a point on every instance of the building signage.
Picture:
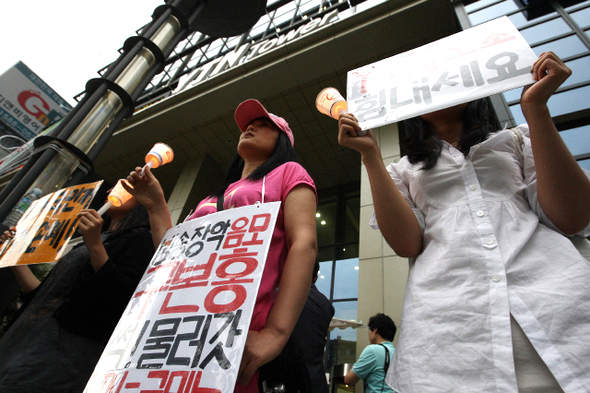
(247, 52)
(484, 60)
(185, 328)
(27, 103)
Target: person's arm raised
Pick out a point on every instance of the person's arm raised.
(90, 225)
(562, 187)
(396, 220)
(147, 190)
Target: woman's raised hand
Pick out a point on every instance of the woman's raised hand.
(7, 235)
(549, 72)
(145, 189)
(349, 134)
(90, 226)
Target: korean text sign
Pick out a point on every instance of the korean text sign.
(185, 328)
(475, 63)
(27, 103)
(44, 230)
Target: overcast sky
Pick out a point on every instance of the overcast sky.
(66, 42)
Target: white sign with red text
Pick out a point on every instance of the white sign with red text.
(475, 63)
(185, 328)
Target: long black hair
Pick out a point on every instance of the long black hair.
(283, 153)
(423, 146)
(136, 218)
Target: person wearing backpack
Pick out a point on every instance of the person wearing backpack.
(374, 361)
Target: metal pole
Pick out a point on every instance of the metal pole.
(105, 104)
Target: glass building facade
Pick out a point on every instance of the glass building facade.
(550, 25)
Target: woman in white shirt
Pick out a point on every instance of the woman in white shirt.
(497, 300)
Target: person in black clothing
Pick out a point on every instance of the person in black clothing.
(312, 331)
(299, 368)
(55, 342)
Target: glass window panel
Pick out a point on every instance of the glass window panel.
(351, 225)
(492, 12)
(232, 42)
(585, 164)
(194, 61)
(545, 30)
(517, 114)
(345, 310)
(260, 26)
(325, 254)
(213, 50)
(577, 4)
(577, 139)
(582, 17)
(579, 69)
(347, 251)
(560, 104)
(284, 14)
(478, 4)
(513, 94)
(565, 47)
(518, 19)
(570, 101)
(324, 281)
(346, 279)
(326, 223)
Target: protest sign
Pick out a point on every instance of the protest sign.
(45, 229)
(484, 60)
(185, 328)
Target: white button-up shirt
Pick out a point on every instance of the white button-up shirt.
(488, 252)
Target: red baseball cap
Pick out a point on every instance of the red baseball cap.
(252, 109)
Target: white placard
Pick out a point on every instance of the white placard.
(484, 60)
(186, 326)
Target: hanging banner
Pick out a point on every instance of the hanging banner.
(185, 328)
(45, 229)
(475, 63)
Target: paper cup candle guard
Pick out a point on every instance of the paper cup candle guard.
(117, 197)
(159, 155)
(330, 102)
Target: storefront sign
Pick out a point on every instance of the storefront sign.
(185, 328)
(484, 60)
(27, 103)
(45, 229)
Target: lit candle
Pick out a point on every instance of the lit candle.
(159, 155)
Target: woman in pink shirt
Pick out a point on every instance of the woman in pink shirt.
(264, 170)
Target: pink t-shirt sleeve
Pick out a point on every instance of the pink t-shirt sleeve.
(293, 175)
